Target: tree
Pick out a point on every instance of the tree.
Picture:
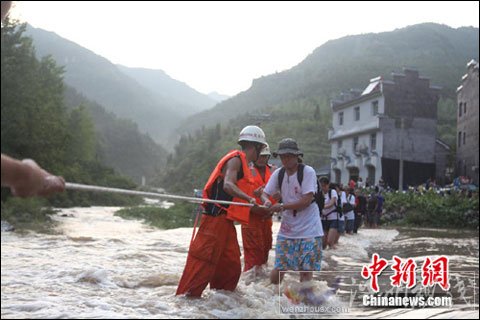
(82, 144)
(35, 123)
(316, 115)
(33, 119)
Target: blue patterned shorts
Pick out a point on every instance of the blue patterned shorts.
(298, 254)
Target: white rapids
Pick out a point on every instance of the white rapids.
(102, 266)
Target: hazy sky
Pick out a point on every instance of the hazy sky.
(223, 46)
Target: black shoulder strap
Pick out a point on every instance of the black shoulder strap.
(281, 174)
(300, 168)
(330, 197)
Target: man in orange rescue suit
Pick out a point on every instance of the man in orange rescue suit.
(257, 235)
(214, 254)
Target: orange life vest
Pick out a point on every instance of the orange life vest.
(259, 182)
(237, 213)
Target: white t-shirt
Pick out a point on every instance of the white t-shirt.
(325, 212)
(306, 223)
(350, 215)
(343, 196)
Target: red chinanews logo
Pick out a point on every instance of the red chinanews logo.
(434, 271)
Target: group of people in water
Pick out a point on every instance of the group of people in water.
(314, 213)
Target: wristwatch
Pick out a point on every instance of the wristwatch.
(282, 207)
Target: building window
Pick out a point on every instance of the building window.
(464, 108)
(357, 113)
(340, 118)
(460, 109)
(340, 144)
(373, 141)
(459, 139)
(355, 144)
(338, 176)
(464, 134)
(375, 107)
(371, 175)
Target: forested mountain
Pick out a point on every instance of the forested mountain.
(119, 143)
(37, 124)
(101, 81)
(437, 51)
(181, 96)
(296, 103)
(217, 96)
(197, 154)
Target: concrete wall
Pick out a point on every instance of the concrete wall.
(410, 95)
(412, 98)
(441, 162)
(468, 122)
(418, 139)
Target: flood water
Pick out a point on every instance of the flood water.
(101, 266)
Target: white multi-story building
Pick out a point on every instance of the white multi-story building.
(388, 123)
(356, 139)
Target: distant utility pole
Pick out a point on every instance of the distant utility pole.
(400, 171)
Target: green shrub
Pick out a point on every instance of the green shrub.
(28, 214)
(178, 216)
(433, 210)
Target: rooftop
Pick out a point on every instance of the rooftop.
(376, 86)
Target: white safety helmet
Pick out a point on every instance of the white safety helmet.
(266, 151)
(252, 134)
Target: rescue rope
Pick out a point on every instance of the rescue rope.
(194, 231)
(84, 187)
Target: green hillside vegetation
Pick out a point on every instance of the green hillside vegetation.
(197, 154)
(297, 100)
(217, 96)
(101, 81)
(182, 97)
(306, 120)
(180, 215)
(293, 103)
(437, 51)
(35, 123)
(431, 210)
(119, 144)
(447, 122)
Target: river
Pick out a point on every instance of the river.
(102, 266)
